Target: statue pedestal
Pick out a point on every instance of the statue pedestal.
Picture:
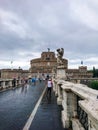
(61, 73)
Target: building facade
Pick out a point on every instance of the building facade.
(45, 63)
(44, 66)
(48, 61)
(81, 72)
(13, 73)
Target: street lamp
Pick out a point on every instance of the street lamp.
(11, 64)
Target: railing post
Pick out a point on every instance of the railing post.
(1, 85)
(59, 98)
(10, 83)
(64, 113)
(4, 84)
(56, 89)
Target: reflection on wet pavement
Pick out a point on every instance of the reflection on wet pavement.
(25, 88)
(48, 116)
(16, 106)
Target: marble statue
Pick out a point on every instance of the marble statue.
(60, 53)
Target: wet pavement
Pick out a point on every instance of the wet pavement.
(48, 116)
(16, 106)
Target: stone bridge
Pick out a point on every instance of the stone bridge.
(82, 80)
(9, 83)
(79, 103)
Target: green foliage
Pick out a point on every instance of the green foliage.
(94, 85)
(94, 71)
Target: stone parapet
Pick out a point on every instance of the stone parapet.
(8, 83)
(80, 105)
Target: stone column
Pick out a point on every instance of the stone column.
(4, 86)
(56, 89)
(10, 83)
(64, 113)
(61, 74)
(54, 84)
(74, 105)
(93, 125)
(69, 104)
(59, 98)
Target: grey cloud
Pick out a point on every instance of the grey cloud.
(46, 24)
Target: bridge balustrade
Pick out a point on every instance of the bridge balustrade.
(79, 103)
(8, 83)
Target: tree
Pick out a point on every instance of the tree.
(94, 72)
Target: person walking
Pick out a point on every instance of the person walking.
(49, 87)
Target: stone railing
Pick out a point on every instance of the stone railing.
(83, 80)
(79, 103)
(9, 83)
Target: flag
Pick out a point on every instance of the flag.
(81, 62)
(48, 49)
(11, 62)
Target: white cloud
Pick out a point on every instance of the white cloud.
(92, 59)
(84, 13)
(21, 64)
(30, 27)
(47, 18)
(29, 54)
(15, 64)
(87, 61)
(13, 24)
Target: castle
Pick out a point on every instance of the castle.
(43, 66)
(48, 61)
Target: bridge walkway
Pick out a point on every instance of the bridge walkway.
(48, 116)
(16, 106)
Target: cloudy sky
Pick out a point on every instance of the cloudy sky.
(28, 27)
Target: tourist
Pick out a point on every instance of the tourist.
(14, 82)
(34, 80)
(49, 87)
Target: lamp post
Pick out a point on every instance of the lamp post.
(11, 64)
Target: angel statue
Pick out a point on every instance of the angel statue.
(59, 56)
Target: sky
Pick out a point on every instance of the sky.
(29, 27)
